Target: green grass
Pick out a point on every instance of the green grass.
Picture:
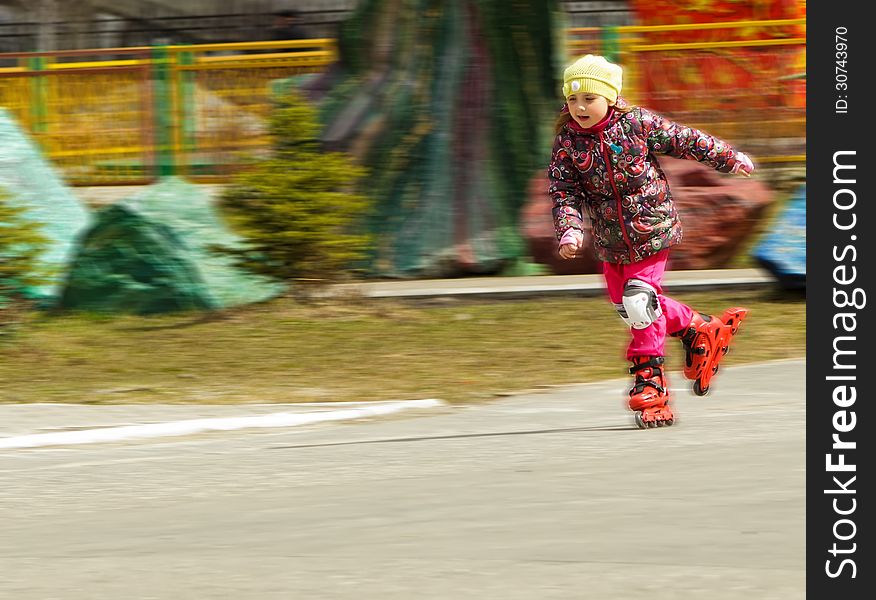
(356, 350)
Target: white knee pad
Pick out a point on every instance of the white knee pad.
(640, 304)
(622, 311)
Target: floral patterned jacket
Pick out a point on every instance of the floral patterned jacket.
(611, 171)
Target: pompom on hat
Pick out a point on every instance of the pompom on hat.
(595, 75)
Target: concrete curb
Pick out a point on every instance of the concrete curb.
(193, 426)
(586, 285)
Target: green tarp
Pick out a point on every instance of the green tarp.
(128, 263)
(151, 253)
(31, 183)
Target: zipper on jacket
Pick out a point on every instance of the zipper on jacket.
(620, 208)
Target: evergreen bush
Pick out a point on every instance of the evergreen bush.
(298, 211)
(21, 244)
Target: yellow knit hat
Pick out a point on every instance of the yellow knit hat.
(593, 74)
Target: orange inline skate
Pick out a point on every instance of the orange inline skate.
(706, 340)
(649, 397)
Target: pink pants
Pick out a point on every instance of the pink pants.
(650, 341)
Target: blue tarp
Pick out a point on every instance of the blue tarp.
(783, 251)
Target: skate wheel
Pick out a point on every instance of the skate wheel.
(669, 422)
(715, 369)
(699, 390)
(660, 422)
(639, 422)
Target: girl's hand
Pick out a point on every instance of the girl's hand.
(743, 165)
(568, 251)
(571, 244)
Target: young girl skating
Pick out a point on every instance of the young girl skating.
(604, 161)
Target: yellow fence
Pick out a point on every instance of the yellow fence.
(84, 113)
(129, 115)
(221, 101)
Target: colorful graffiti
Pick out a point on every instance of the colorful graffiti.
(701, 64)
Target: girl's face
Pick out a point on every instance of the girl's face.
(588, 109)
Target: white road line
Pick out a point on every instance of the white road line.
(191, 426)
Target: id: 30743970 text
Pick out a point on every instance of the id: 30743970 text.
(841, 74)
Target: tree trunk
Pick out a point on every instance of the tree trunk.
(450, 104)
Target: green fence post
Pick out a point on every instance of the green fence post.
(610, 48)
(186, 103)
(164, 117)
(39, 93)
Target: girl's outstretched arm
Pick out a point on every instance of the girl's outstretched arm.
(680, 141)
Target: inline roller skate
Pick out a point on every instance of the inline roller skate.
(706, 340)
(649, 396)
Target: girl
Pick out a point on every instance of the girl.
(605, 159)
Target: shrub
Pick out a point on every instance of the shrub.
(21, 244)
(298, 211)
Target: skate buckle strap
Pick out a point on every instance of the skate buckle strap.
(656, 366)
(657, 362)
(687, 334)
(642, 383)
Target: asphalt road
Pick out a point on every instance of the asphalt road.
(551, 495)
